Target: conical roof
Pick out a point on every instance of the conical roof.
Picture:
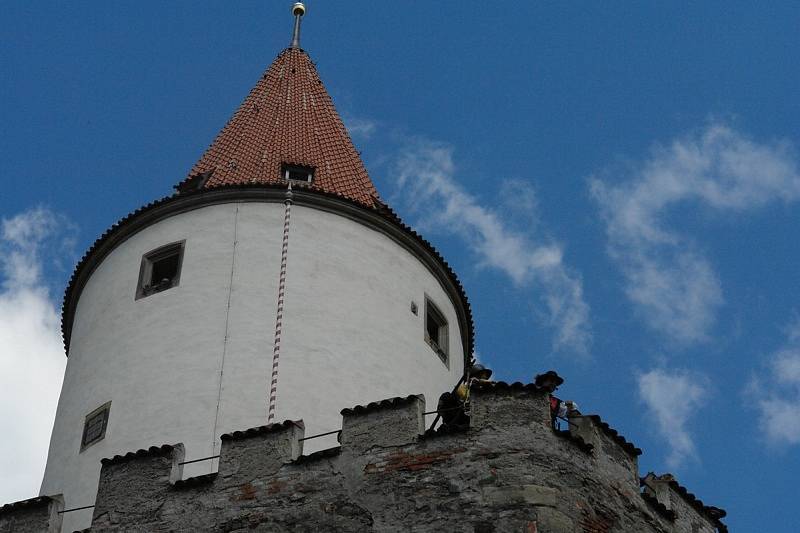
(287, 119)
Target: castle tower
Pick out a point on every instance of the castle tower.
(273, 284)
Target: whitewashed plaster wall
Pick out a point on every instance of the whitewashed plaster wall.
(349, 337)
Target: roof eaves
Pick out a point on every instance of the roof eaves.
(380, 208)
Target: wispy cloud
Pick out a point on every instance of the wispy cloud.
(31, 355)
(425, 173)
(360, 128)
(778, 400)
(668, 278)
(672, 397)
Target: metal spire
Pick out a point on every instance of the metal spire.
(298, 10)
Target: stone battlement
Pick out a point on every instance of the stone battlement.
(508, 471)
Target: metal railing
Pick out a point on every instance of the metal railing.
(198, 460)
(76, 509)
(321, 434)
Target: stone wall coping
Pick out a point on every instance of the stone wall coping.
(613, 433)
(714, 514)
(152, 451)
(577, 439)
(487, 386)
(659, 507)
(388, 403)
(262, 430)
(398, 411)
(30, 502)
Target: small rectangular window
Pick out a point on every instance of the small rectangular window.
(160, 269)
(297, 173)
(436, 330)
(94, 427)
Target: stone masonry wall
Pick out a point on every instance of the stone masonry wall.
(509, 471)
(37, 514)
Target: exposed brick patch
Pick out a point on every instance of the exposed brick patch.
(276, 485)
(592, 523)
(516, 477)
(410, 461)
(246, 492)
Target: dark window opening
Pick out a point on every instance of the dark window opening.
(165, 270)
(436, 330)
(160, 270)
(297, 173)
(94, 428)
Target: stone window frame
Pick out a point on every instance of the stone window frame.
(105, 411)
(145, 289)
(440, 345)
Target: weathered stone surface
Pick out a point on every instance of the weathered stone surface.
(531, 494)
(397, 421)
(35, 515)
(554, 520)
(608, 455)
(509, 472)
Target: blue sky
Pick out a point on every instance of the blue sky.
(617, 186)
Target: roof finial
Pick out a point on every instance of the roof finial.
(298, 10)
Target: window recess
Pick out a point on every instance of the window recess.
(297, 173)
(94, 426)
(436, 334)
(160, 269)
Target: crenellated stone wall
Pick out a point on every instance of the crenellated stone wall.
(509, 471)
(42, 515)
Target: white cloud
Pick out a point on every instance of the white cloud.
(31, 355)
(778, 401)
(669, 280)
(360, 128)
(672, 398)
(425, 175)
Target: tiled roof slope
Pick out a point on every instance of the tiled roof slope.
(288, 118)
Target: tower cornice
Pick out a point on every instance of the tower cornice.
(381, 218)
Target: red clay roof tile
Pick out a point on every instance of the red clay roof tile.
(288, 118)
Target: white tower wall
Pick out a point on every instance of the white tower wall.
(195, 361)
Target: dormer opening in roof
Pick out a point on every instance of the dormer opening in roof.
(287, 118)
(297, 173)
(277, 224)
